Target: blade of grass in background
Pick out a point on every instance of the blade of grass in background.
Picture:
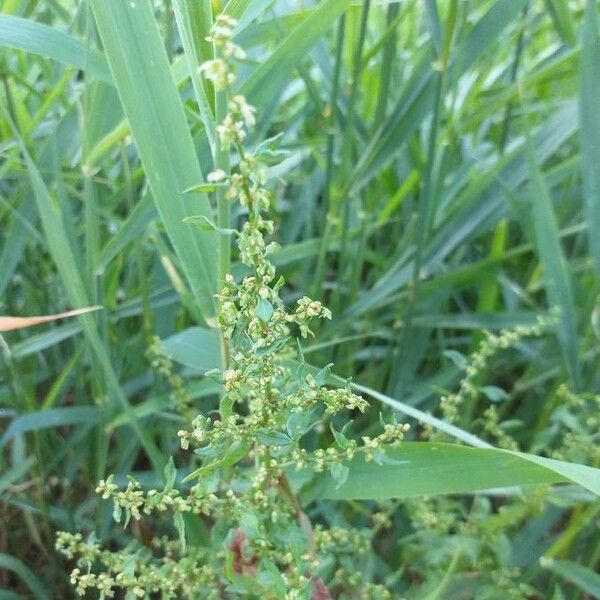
(45, 419)
(556, 273)
(30, 36)
(561, 15)
(590, 126)
(66, 264)
(23, 221)
(585, 579)
(194, 20)
(155, 112)
(268, 80)
(36, 587)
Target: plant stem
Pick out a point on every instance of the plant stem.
(223, 214)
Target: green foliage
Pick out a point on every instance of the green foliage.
(433, 168)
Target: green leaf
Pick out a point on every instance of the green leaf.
(170, 473)
(64, 258)
(582, 577)
(46, 419)
(423, 417)
(271, 437)
(180, 527)
(205, 224)
(117, 513)
(194, 20)
(432, 468)
(15, 473)
(299, 423)
(267, 81)
(340, 439)
(150, 100)
(556, 271)
(457, 358)
(487, 31)
(138, 220)
(561, 15)
(236, 452)
(493, 393)
(264, 310)
(244, 11)
(323, 375)
(195, 347)
(27, 35)
(204, 188)
(26, 575)
(590, 126)
(339, 474)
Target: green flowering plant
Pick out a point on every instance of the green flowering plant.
(257, 538)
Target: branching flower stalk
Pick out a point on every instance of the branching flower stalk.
(220, 72)
(478, 362)
(261, 543)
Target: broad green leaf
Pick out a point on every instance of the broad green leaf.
(431, 468)
(141, 72)
(195, 347)
(232, 455)
(27, 35)
(264, 310)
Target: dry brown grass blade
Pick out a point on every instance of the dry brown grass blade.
(10, 323)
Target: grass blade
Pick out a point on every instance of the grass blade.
(425, 468)
(556, 275)
(27, 35)
(66, 263)
(194, 20)
(45, 419)
(583, 578)
(590, 126)
(25, 574)
(152, 105)
(266, 83)
(561, 15)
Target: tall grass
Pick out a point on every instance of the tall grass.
(442, 178)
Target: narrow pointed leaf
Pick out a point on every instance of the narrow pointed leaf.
(156, 116)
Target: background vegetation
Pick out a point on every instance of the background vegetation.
(443, 178)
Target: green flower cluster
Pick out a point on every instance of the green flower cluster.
(478, 362)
